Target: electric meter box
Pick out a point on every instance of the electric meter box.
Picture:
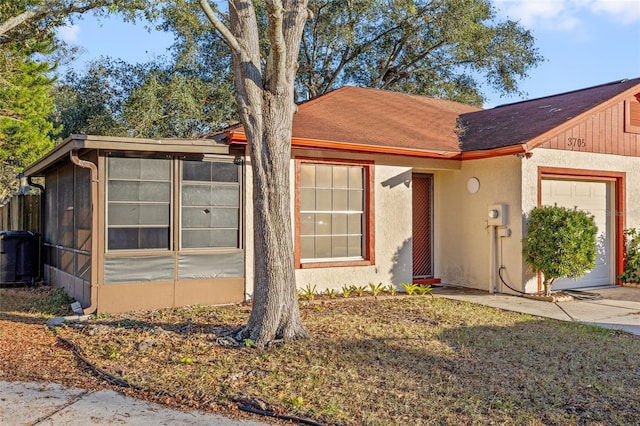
(497, 215)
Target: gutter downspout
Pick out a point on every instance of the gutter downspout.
(40, 226)
(94, 228)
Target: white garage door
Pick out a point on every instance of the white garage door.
(593, 197)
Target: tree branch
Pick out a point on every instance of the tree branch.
(223, 30)
(276, 61)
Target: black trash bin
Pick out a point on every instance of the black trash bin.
(18, 257)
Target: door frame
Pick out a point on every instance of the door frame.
(619, 203)
(424, 279)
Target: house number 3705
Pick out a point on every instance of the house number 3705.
(579, 143)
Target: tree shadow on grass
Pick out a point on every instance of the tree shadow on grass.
(577, 373)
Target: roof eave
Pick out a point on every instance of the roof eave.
(496, 152)
(77, 142)
(239, 138)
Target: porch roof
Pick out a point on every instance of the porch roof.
(85, 142)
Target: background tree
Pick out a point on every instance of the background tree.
(25, 103)
(151, 100)
(560, 243)
(265, 98)
(27, 46)
(440, 48)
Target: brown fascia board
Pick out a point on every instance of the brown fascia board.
(239, 138)
(78, 142)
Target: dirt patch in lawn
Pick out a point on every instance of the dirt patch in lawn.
(398, 360)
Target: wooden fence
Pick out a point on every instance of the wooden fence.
(21, 213)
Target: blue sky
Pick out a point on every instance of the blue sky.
(584, 42)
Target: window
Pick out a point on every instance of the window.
(334, 212)
(139, 203)
(210, 204)
(632, 115)
(141, 214)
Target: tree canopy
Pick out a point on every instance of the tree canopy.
(151, 100)
(27, 49)
(440, 48)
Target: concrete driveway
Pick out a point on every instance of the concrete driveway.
(613, 307)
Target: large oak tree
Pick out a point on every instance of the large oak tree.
(266, 103)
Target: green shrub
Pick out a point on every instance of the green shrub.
(631, 272)
(560, 243)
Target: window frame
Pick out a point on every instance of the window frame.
(632, 105)
(108, 225)
(180, 194)
(368, 255)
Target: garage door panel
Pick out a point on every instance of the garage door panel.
(594, 198)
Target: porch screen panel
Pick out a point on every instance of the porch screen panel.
(51, 219)
(210, 209)
(139, 203)
(66, 219)
(332, 211)
(82, 217)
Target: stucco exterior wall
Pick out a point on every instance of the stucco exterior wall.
(463, 234)
(393, 222)
(582, 161)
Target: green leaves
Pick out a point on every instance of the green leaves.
(560, 243)
(153, 100)
(631, 272)
(431, 47)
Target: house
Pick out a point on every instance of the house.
(386, 187)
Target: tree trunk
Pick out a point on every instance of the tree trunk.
(265, 96)
(547, 286)
(275, 313)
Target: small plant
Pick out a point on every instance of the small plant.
(376, 288)
(112, 352)
(560, 243)
(391, 289)
(347, 290)
(409, 288)
(631, 272)
(308, 292)
(296, 402)
(360, 290)
(331, 293)
(186, 360)
(249, 343)
(423, 289)
(56, 303)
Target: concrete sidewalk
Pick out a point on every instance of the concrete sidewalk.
(24, 404)
(618, 307)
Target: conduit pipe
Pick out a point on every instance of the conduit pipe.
(93, 306)
(492, 258)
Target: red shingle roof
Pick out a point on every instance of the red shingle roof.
(518, 123)
(355, 115)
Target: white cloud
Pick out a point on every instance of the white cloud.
(69, 33)
(625, 11)
(565, 15)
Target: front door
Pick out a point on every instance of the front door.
(422, 187)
